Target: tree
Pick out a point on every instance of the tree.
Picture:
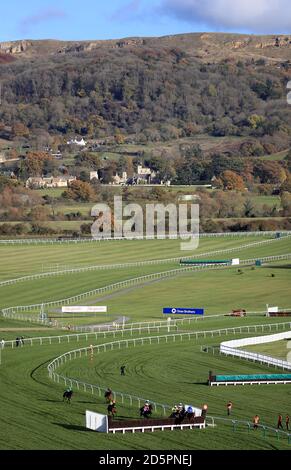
(37, 164)
(232, 181)
(39, 214)
(286, 186)
(119, 137)
(20, 130)
(255, 121)
(270, 172)
(79, 191)
(249, 208)
(286, 204)
(88, 160)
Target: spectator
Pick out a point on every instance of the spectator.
(256, 422)
(280, 425)
(204, 410)
(287, 422)
(229, 408)
(2, 343)
(17, 341)
(122, 369)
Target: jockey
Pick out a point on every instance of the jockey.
(146, 406)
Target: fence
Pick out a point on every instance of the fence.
(10, 312)
(228, 348)
(36, 241)
(122, 284)
(110, 329)
(102, 348)
(237, 425)
(66, 271)
(45, 340)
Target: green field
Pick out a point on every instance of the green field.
(279, 349)
(33, 415)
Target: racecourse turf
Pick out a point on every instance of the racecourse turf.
(33, 415)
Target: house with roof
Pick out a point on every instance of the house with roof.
(49, 182)
(80, 143)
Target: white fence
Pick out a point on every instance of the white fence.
(86, 332)
(150, 340)
(109, 330)
(36, 241)
(11, 311)
(66, 271)
(229, 348)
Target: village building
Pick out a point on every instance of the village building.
(81, 142)
(144, 175)
(49, 182)
(117, 179)
(94, 175)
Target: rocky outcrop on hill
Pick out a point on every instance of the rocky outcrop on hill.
(14, 47)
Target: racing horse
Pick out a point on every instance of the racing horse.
(111, 409)
(67, 395)
(146, 410)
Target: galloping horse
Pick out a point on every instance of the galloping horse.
(146, 410)
(108, 395)
(111, 409)
(67, 395)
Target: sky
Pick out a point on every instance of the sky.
(111, 19)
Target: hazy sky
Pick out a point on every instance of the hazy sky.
(105, 19)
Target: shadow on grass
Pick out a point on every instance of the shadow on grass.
(73, 427)
(278, 266)
(53, 401)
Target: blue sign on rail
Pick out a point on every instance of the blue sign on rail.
(183, 311)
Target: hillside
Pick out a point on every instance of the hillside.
(204, 46)
(163, 88)
(190, 106)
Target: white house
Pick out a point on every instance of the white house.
(94, 175)
(81, 142)
(144, 175)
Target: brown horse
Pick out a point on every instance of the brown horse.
(111, 409)
(108, 396)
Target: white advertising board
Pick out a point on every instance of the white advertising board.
(85, 309)
(235, 262)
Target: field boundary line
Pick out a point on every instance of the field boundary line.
(33, 241)
(135, 263)
(10, 311)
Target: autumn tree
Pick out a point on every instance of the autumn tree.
(232, 181)
(286, 186)
(20, 130)
(88, 160)
(270, 172)
(37, 164)
(79, 191)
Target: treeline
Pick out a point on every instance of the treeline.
(153, 95)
